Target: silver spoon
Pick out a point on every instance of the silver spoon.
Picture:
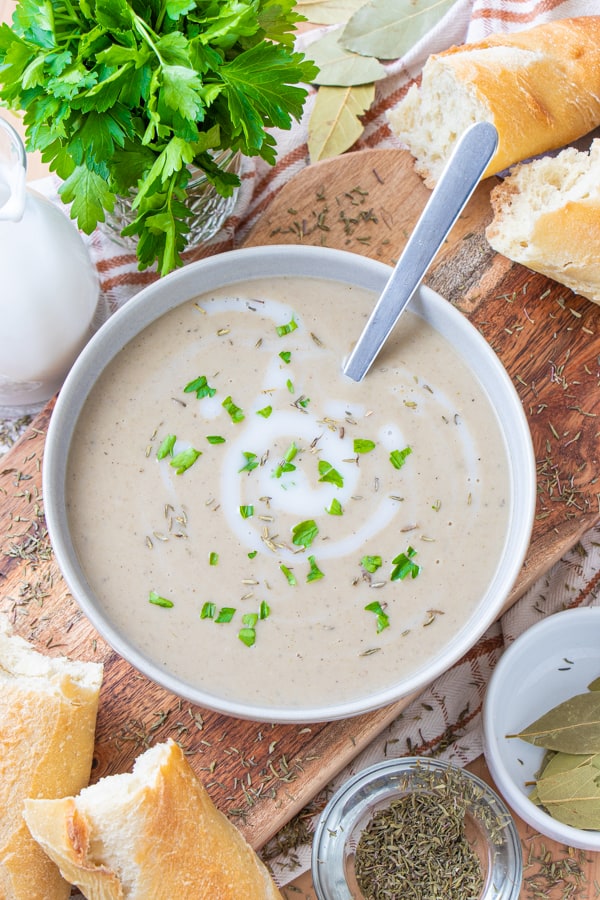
(457, 182)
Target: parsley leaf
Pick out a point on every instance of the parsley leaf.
(335, 508)
(182, 461)
(200, 387)
(90, 196)
(166, 447)
(315, 574)
(291, 578)
(404, 565)
(157, 600)
(304, 533)
(235, 412)
(329, 474)
(371, 563)
(398, 457)
(383, 620)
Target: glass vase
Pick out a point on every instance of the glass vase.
(209, 209)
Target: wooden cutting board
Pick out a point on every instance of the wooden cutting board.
(549, 340)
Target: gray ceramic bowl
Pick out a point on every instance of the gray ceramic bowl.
(241, 266)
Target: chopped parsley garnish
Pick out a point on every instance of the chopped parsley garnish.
(265, 412)
(226, 614)
(315, 573)
(215, 439)
(247, 635)
(362, 445)
(335, 508)
(157, 600)
(234, 411)
(213, 559)
(252, 554)
(265, 610)
(286, 356)
(181, 462)
(246, 512)
(291, 578)
(166, 447)
(286, 464)
(383, 620)
(371, 563)
(398, 457)
(404, 565)
(200, 387)
(304, 533)
(208, 611)
(329, 474)
(251, 462)
(282, 330)
(290, 385)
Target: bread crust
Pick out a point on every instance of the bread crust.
(539, 87)
(547, 217)
(48, 713)
(178, 843)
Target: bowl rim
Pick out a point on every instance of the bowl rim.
(269, 261)
(534, 636)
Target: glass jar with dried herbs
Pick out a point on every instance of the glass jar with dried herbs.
(416, 829)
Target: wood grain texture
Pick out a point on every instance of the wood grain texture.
(368, 202)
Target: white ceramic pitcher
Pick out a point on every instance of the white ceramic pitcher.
(49, 292)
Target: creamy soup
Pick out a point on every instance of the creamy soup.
(269, 530)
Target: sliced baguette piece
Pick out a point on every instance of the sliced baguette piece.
(152, 834)
(547, 217)
(539, 87)
(48, 708)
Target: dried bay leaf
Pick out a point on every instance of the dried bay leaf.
(334, 124)
(569, 790)
(564, 762)
(327, 12)
(388, 30)
(339, 67)
(594, 685)
(571, 727)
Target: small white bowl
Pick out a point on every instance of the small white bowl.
(549, 663)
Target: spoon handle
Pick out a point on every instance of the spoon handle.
(450, 195)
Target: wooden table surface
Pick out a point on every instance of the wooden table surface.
(550, 869)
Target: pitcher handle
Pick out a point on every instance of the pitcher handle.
(13, 172)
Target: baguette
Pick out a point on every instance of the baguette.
(152, 834)
(539, 87)
(48, 709)
(547, 217)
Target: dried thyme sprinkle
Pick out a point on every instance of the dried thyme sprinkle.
(417, 848)
(545, 870)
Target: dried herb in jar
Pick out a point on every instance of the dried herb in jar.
(417, 849)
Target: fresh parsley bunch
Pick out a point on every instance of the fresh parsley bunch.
(122, 96)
